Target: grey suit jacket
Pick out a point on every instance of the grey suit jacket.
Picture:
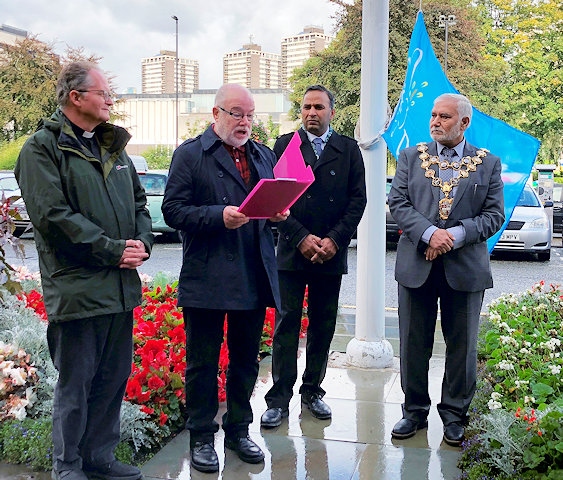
(478, 206)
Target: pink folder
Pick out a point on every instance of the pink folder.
(275, 195)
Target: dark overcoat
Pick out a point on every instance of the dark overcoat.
(331, 207)
(221, 268)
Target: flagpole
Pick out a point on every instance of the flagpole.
(369, 348)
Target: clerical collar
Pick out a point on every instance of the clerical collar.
(86, 134)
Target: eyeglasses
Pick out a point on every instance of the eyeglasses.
(237, 115)
(102, 93)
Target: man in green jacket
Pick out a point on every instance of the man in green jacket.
(92, 231)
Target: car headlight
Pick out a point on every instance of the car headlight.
(540, 223)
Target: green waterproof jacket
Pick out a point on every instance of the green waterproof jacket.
(82, 212)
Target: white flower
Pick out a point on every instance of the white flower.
(524, 351)
(555, 369)
(520, 383)
(496, 395)
(18, 376)
(529, 399)
(505, 365)
(508, 340)
(494, 405)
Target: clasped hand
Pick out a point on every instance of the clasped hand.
(134, 254)
(441, 242)
(316, 249)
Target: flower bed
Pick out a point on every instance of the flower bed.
(516, 426)
(155, 394)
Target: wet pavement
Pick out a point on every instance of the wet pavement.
(356, 444)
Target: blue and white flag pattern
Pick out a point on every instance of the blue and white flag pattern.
(424, 81)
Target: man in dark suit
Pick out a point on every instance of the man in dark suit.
(447, 197)
(313, 251)
(228, 269)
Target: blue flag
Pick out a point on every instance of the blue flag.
(409, 125)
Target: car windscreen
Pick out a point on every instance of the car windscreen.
(528, 199)
(153, 183)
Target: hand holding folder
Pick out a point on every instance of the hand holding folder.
(276, 195)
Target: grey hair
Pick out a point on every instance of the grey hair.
(74, 76)
(464, 107)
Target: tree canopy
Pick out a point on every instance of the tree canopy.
(505, 56)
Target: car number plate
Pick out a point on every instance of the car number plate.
(510, 237)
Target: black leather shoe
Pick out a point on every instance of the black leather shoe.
(273, 417)
(68, 475)
(112, 471)
(316, 405)
(203, 457)
(454, 434)
(406, 428)
(245, 448)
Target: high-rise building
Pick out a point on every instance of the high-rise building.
(158, 74)
(295, 50)
(252, 67)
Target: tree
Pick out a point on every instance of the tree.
(339, 66)
(28, 74)
(28, 77)
(528, 36)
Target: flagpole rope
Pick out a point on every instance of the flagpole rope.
(369, 144)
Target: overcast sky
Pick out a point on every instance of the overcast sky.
(125, 31)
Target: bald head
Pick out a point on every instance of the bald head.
(232, 101)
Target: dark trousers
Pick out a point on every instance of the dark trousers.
(93, 356)
(322, 310)
(204, 335)
(459, 314)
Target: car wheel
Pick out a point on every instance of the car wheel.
(544, 256)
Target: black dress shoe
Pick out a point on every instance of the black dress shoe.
(114, 470)
(203, 457)
(454, 434)
(406, 428)
(245, 448)
(273, 417)
(316, 405)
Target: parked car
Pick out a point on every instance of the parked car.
(154, 183)
(11, 190)
(529, 229)
(140, 163)
(392, 232)
(558, 208)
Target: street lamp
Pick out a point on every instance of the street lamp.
(445, 22)
(176, 71)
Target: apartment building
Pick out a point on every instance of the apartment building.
(296, 49)
(252, 67)
(158, 74)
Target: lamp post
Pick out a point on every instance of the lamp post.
(176, 71)
(445, 22)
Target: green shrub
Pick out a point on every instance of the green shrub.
(28, 442)
(9, 153)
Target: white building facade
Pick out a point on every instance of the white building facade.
(297, 49)
(252, 67)
(158, 74)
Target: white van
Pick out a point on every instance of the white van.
(140, 163)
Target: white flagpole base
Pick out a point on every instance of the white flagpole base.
(364, 354)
